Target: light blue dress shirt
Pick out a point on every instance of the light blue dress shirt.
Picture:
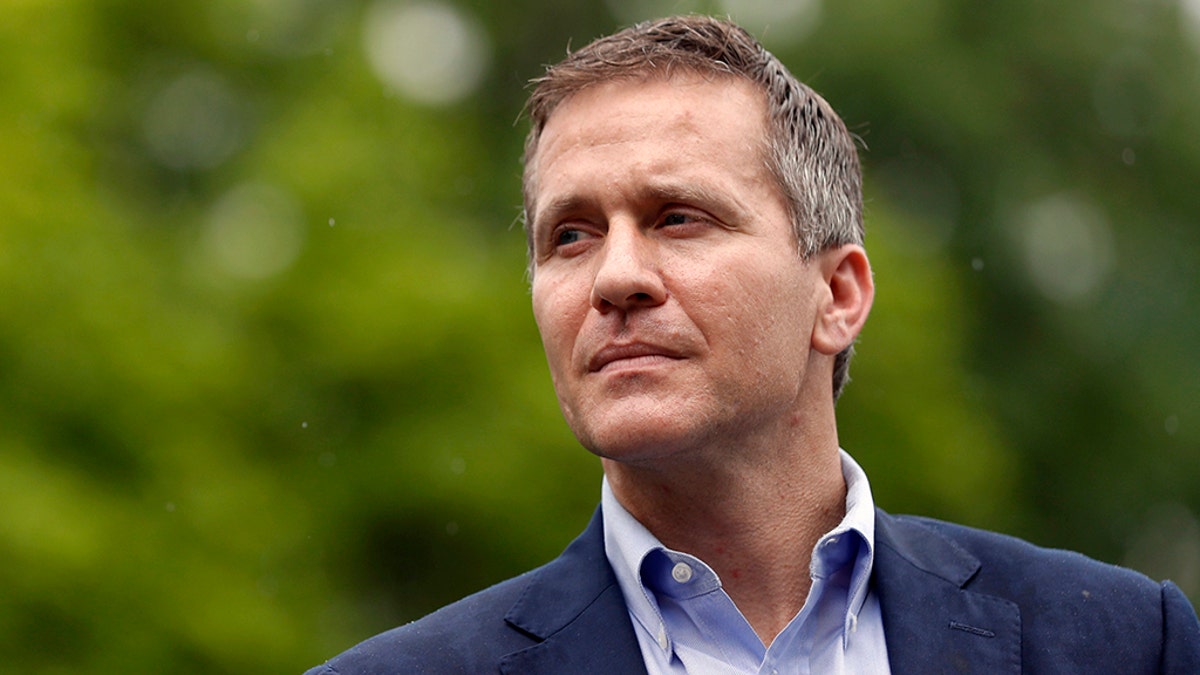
(686, 623)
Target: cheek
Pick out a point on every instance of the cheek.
(762, 297)
(556, 324)
(769, 316)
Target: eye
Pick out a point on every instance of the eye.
(686, 220)
(569, 240)
(567, 236)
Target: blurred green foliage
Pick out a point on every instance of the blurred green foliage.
(269, 382)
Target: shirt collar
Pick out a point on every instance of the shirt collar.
(852, 542)
(627, 543)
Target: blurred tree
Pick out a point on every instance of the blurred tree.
(268, 379)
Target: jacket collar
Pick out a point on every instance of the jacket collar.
(574, 608)
(932, 623)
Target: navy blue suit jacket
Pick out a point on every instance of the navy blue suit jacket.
(953, 599)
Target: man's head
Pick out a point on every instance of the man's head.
(807, 149)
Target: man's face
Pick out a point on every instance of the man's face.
(673, 306)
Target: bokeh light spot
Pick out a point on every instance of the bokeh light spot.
(255, 231)
(430, 52)
(195, 122)
(1067, 246)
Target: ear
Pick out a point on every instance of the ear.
(846, 299)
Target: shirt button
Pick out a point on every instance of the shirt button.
(681, 572)
(662, 638)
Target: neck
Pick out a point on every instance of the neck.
(754, 521)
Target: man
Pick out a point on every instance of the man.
(694, 216)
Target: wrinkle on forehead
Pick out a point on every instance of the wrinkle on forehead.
(755, 104)
(637, 120)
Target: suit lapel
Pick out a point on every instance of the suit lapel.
(574, 607)
(931, 622)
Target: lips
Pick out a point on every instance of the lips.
(628, 353)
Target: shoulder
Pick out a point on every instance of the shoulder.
(467, 636)
(1012, 566)
(1073, 609)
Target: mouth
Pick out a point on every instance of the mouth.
(630, 355)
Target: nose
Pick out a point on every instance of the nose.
(628, 275)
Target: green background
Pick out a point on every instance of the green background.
(269, 381)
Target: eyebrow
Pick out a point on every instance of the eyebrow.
(557, 208)
(721, 203)
(687, 193)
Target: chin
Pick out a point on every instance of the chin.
(647, 441)
(633, 428)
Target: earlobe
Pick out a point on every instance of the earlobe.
(846, 302)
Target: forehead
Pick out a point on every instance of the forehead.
(658, 94)
(655, 126)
